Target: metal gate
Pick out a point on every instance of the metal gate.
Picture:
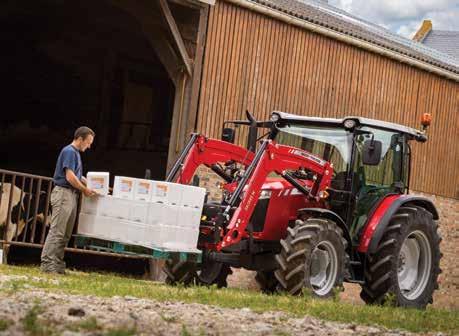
(25, 212)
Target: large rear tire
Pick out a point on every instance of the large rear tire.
(404, 269)
(312, 258)
(206, 274)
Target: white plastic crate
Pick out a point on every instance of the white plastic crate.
(143, 190)
(166, 192)
(155, 213)
(98, 181)
(188, 217)
(182, 240)
(90, 205)
(96, 226)
(138, 211)
(114, 207)
(124, 187)
(86, 224)
(193, 196)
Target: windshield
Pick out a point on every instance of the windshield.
(331, 144)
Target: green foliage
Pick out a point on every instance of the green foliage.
(184, 331)
(336, 294)
(107, 285)
(280, 333)
(121, 332)
(390, 300)
(5, 324)
(31, 324)
(89, 324)
(306, 293)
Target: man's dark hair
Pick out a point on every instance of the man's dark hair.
(83, 132)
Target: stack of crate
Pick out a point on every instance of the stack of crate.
(153, 214)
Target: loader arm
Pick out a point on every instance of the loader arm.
(271, 157)
(201, 150)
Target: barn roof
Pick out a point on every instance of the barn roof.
(443, 40)
(335, 19)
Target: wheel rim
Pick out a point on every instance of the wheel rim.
(323, 269)
(414, 263)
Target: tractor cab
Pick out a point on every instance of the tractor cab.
(371, 159)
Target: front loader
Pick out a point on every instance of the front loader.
(317, 201)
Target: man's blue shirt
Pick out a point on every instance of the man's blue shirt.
(69, 158)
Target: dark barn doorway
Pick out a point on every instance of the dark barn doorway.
(90, 63)
(128, 69)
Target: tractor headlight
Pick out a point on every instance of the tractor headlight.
(275, 117)
(349, 123)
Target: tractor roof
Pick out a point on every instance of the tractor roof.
(335, 122)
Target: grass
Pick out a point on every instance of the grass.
(121, 332)
(5, 324)
(32, 325)
(107, 285)
(89, 324)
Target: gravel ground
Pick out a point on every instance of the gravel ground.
(61, 313)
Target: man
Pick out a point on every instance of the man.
(69, 182)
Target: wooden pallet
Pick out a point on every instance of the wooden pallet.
(97, 244)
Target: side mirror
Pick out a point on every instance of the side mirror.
(253, 132)
(372, 152)
(228, 134)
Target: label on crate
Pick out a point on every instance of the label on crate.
(143, 188)
(97, 182)
(126, 186)
(161, 190)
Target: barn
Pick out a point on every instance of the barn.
(145, 74)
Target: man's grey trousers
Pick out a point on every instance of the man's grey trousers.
(64, 208)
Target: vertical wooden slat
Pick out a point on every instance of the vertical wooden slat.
(217, 14)
(225, 47)
(225, 15)
(206, 74)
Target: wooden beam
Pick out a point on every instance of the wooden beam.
(198, 62)
(176, 35)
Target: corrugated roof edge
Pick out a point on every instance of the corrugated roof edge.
(293, 18)
(340, 121)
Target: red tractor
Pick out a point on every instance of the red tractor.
(318, 202)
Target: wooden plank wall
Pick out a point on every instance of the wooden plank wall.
(257, 63)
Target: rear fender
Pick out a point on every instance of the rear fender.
(325, 213)
(380, 218)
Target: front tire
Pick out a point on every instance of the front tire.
(404, 269)
(312, 258)
(206, 274)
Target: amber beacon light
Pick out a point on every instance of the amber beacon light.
(426, 120)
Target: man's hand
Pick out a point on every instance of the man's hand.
(77, 184)
(89, 192)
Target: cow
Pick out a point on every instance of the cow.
(20, 205)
